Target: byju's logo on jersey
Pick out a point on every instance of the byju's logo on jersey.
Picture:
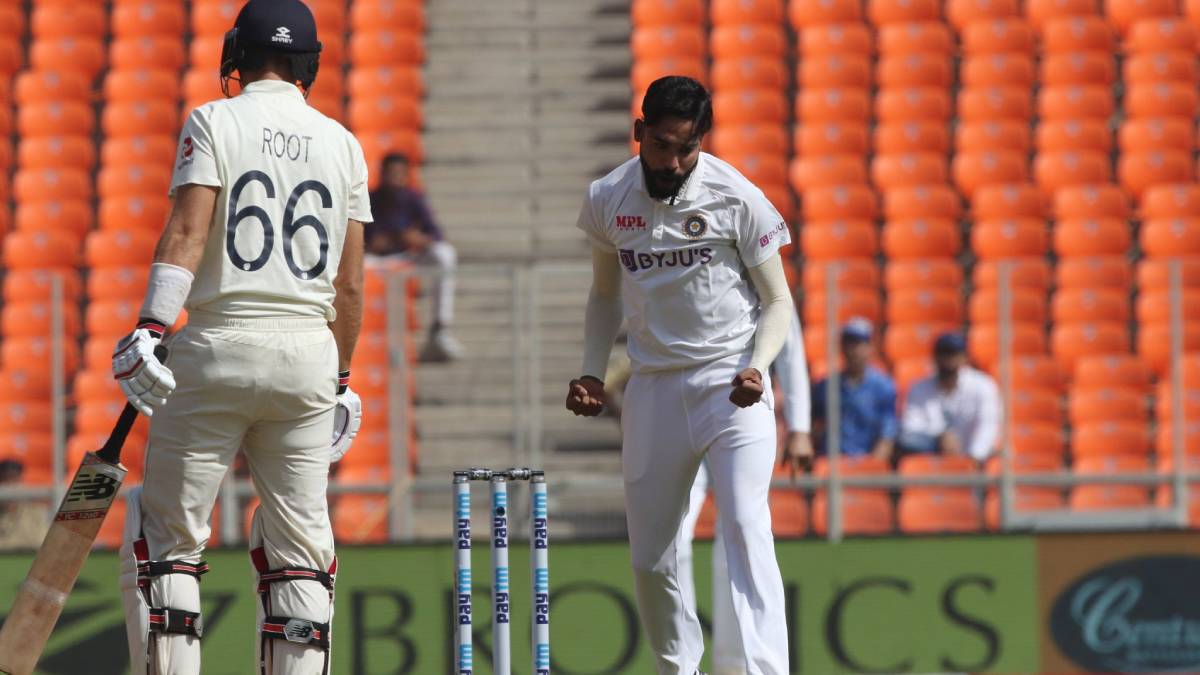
(630, 223)
(282, 35)
(769, 237)
(695, 226)
(634, 261)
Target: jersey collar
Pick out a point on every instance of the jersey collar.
(272, 87)
(689, 192)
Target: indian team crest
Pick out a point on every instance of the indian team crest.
(695, 226)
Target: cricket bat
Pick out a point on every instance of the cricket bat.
(52, 575)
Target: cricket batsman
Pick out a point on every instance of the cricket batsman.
(687, 250)
(263, 246)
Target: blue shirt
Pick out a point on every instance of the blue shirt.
(868, 412)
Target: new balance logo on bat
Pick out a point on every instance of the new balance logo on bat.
(93, 487)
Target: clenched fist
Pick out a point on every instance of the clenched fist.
(585, 396)
(747, 388)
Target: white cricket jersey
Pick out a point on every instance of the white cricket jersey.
(686, 292)
(289, 179)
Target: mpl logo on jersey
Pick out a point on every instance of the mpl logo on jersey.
(630, 223)
(635, 261)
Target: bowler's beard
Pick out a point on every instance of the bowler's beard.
(655, 180)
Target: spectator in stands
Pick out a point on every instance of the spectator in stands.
(868, 399)
(22, 523)
(405, 226)
(954, 411)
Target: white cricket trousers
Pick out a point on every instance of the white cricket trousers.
(671, 422)
(267, 387)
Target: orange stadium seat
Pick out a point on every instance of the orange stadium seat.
(35, 318)
(147, 19)
(1165, 404)
(1154, 306)
(746, 11)
(1160, 34)
(667, 12)
(1067, 135)
(1164, 443)
(25, 386)
(386, 48)
(1137, 171)
(750, 106)
(57, 152)
(893, 171)
(739, 139)
(938, 511)
(762, 169)
(387, 14)
(1108, 272)
(806, 173)
(921, 238)
(840, 202)
(138, 210)
(11, 57)
(1036, 439)
(1090, 201)
(12, 21)
(1164, 134)
(117, 283)
(133, 180)
(1154, 274)
(660, 42)
(646, 72)
(127, 86)
(913, 341)
(97, 385)
(67, 215)
(837, 36)
(851, 303)
(162, 52)
(1054, 170)
(34, 451)
(992, 136)
(737, 41)
(204, 53)
(1167, 237)
(1026, 499)
(1023, 307)
(1072, 341)
(1154, 341)
(1113, 404)
(1161, 99)
(983, 341)
(111, 319)
(789, 513)
(997, 70)
(914, 70)
(30, 284)
(1074, 102)
(922, 273)
(997, 36)
(1036, 371)
(828, 71)
(34, 86)
(82, 54)
(915, 104)
(27, 417)
(1086, 305)
(140, 118)
(1036, 406)
(975, 170)
(1101, 497)
(1160, 67)
(360, 518)
(1040, 12)
(1112, 370)
(154, 149)
(1009, 238)
(921, 201)
(213, 17)
(51, 184)
(41, 249)
(35, 354)
(1122, 14)
(1077, 69)
(55, 119)
(1171, 201)
(908, 372)
(120, 248)
(962, 13)
(402, 79)
(926, 305)
(911, 136)
(827, 105)
(1087, 237)
(830, 138)
(863, 513)
(882, 12)
(384, 113)
(67, 20)
(851, 273)
(929, 37)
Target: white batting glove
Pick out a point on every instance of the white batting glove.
(347, 418)
(145, 381)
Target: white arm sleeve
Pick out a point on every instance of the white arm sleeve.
(791, 370)
(604, 312)
(777, 311)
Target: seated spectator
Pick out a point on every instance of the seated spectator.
(23, 524)
(954, 411)
(405, 226)
(868, 399)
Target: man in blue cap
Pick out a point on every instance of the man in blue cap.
(868, 399)
(954, 411)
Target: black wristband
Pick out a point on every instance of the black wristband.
(154, 326)
(343, 381)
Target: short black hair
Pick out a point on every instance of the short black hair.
(393, 158)
(680, 97)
